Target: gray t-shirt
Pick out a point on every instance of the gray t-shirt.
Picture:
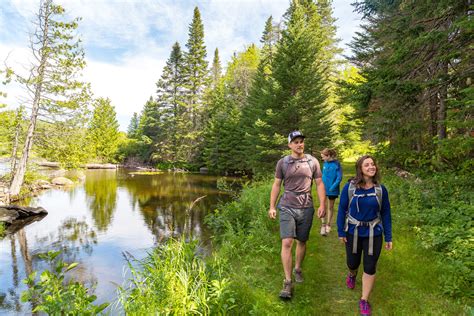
(297, 181)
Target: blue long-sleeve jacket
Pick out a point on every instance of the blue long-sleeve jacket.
(332, 176)
(368, 207)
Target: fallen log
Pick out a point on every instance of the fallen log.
(49, 164)
(100, 166)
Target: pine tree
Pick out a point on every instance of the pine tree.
(300, 71)
(291, 87)
(416, 73)
(269, 39)
(103, 131)
(254, 130)
(171, 145)
(150, 120)
(197, 80)
(133, 127)
(216, 69)
(151, 128)
(223, 148)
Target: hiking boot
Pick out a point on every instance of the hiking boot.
(323, 230)
(351, 281)
(298, 276)
(287, 290)
(364, 308)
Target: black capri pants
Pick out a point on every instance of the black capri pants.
(370, 262)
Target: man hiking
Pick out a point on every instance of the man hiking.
(297, 171)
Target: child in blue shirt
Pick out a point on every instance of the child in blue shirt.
(363, 218)
(332, 176)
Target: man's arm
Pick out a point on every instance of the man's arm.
(322, 197)
(273, 198)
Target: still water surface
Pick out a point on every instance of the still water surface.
(94, 223)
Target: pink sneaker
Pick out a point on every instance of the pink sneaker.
(364, 308)
(350, 281)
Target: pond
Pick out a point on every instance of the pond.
(112, 213)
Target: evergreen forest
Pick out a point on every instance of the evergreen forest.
(405, 93)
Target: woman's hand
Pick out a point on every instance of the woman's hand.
(388, 245)
(343, 239)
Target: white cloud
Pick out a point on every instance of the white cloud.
(128, 42)
(128, 85)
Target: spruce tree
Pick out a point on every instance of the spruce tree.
(133, 127)
(103, 131)
(150, 127)
(300, 71)
(291, 89)
(254, 128)
(417, 73)
(216, 69)
(171, 144)
(196, 82)
(223, 147)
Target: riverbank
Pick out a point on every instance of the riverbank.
(42, 179)
(35, 183)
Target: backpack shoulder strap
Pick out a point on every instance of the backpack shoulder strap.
(350, 194)
(310, 161)
(378, 195)
(284, 165)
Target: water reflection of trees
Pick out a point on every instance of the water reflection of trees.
(164, 201)
(101, 191)
(10, 300)
(73, 238)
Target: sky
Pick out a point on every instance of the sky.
(127, 42)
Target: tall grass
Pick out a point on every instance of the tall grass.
(439, 209)
(173, 279)
(2, 230)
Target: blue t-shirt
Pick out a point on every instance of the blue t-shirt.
(366, 212)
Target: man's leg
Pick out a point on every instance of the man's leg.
(300, 253)
(286, 258)
(304, 223)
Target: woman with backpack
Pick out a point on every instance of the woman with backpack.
(363, 217)
(332, 176)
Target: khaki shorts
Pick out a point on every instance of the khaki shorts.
(295, 222)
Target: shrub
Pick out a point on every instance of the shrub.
(439, 209)
(52, 295)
